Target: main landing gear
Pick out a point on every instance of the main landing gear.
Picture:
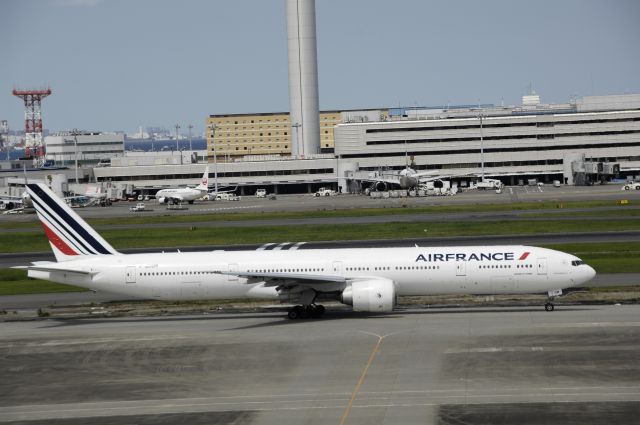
(549, 306)
(306, 311)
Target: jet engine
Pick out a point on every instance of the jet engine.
(380, 186)
(374, 295)
(163, 200)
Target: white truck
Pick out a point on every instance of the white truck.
(631, 186)
(138, 208)
(324, 191)
(261, 193)
(227, 196)
(488, 184)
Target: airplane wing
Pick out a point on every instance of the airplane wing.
(288, 279)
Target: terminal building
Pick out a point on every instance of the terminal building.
(89, 148)
(593, 138)
(233, 136)
(532, 141)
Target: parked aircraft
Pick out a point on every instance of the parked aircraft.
(369, 279)
(178, 195)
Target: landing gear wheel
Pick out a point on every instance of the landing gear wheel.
(316, 311)
(549, 307)
(294, 313)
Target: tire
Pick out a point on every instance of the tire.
(317, 311)
(293, 314)
(549, 307)
(327, 194)
(317, 195)
(627, 187)
(638, 187)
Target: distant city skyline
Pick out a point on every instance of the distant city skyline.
(116, 65)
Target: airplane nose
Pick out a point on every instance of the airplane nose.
(590, 273)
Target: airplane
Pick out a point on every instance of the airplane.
(178, 195)
(14, 204)
(368, 279)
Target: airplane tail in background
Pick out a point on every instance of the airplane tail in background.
(204, 183)
(69, 235)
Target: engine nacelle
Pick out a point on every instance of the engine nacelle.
(163, 200)
(375, 295)
(380, 186)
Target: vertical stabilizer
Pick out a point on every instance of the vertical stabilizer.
(69, 235)
(204, 183)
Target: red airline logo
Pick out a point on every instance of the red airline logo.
(524, 256)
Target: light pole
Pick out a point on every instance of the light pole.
(213, 127)
(190, 143)
(481, 117)
(74, 132)
(177, 137)
(300, 145)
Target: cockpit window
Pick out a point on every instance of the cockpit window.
(577, 262)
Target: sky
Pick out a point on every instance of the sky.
(115, 65)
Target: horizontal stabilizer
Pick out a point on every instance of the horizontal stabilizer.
(54, 269)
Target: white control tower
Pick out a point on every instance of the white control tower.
(303, 78)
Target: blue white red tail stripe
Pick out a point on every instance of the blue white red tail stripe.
(56, 225)
(68, 234)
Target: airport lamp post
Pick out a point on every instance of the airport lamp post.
(177, 137)
(74, 132)
(213, 127)
(481, 117)
(190, 142)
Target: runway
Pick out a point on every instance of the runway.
(472, 366)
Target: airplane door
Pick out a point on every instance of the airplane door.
(542, 266)
(130, 274)
(461, 268)
(337, 268)
(233, 268)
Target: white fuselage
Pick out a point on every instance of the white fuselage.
(415, 271)
(183, 194)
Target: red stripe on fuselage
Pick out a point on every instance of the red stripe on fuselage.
(524, 256)
(57, 242)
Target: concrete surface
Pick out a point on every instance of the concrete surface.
(472, 366)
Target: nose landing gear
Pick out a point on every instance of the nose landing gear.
(551, 296)
(313, 311)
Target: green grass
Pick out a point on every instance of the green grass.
(606, 258)
(399, 208)
(16, 282)
(183, 236)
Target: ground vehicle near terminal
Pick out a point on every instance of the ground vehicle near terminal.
(227, 196)
(325, 191)
(139, 207)
(261, 193)
(369, 279)
(488, 184)
(631, 186)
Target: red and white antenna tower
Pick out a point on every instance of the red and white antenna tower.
(34, 144)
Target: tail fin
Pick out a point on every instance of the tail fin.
(204, 183)
(69, 235)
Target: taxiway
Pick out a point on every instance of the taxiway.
(472, 366)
